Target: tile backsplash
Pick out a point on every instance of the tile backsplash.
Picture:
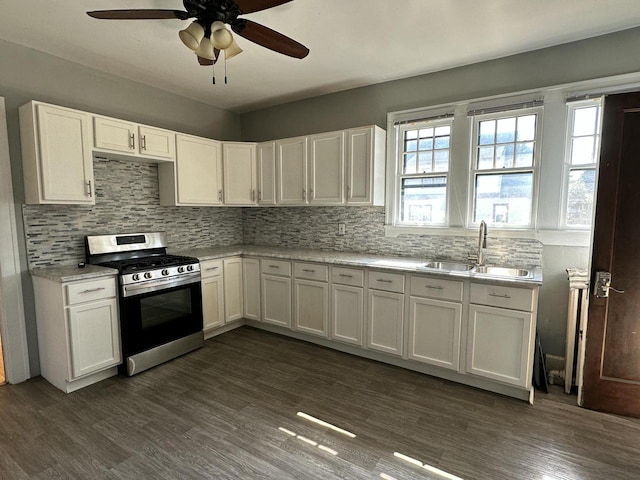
(317, 227)
(127, 201)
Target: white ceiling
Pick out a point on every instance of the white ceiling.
(352, 42)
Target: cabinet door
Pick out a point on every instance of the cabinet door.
(267, 173)
(500, 344)
(198, 171)
(292, 171)
(251, 288)
(212, 302)
(240, 176)
(157, 143)
(326, 168)
(94, 337)
(434, 332)
(66, 164)
(115, 135)
(311, 307)
(276, 300)
(347, 314)
(385, 321)
(233, 289)
(359, 165)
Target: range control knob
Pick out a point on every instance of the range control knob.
(135, 277)
(165, 272)
(147, 275)
(180, 269)
(190, 268)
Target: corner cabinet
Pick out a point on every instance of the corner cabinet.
(78, 331)
(366, 158)
(240, 174)
(266, 158)
(291, 171)
(56, 155)
(195, 179)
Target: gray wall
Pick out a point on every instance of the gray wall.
(594, 58)
(27, 74)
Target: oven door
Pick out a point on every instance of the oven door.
(155, 318)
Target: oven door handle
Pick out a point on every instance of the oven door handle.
(139, 289)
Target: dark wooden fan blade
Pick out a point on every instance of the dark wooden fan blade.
(205, 61)
(250, 6)
(269, 38)
(138, 14)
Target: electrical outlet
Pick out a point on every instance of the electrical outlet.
(342, 229)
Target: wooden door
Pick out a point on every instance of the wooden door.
(326, 168)
(611, 380)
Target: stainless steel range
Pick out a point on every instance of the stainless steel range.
(160, 297)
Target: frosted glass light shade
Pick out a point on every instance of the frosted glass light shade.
(232, 51)
(220, 36)
(205, 50)
(192, 35)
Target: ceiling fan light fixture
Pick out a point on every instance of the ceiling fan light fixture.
(205, 50)
(221, 38)
(192, 35)
(233, 50)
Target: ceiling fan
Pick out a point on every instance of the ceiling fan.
(208, 34)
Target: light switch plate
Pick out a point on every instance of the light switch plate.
(342, 229)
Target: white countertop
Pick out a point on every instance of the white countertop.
(71, 273)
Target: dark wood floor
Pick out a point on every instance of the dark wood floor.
(229, 411)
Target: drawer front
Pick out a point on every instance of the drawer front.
(275, 267)
(436, 288)
(211, 268)
(501, 296)
(389, 282)
(311, 271)
(347, 276)
(88, 291)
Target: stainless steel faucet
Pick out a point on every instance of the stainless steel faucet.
(482, 242)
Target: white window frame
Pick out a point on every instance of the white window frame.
(568, 167)
(400, 129)
(534, 169)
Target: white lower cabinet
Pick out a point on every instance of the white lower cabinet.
(78, 331)
(233, 298)
(434, 332)
(385, 321)
(311, 307)
(276, 292)
(212, 294)
(501, 333)
(251, 288)
(347, 305)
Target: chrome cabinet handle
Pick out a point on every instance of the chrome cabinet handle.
(308, 270)
(274, 266)
(304, 194)
(143, 142)
(93, 290)
(132, 141)
(499, 296)
(211, 268)
(89, 190)
(384, 281)
(345, 275)
(220, 195)
(438, 287)
(260, 195)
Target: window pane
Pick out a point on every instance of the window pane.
(410, 165)
(524, 154)
(410, 146)
(504, 156)
(526, 128)
(506, 130)
(580, 197)
(504, 198)
(441, 158)
(485, 158)
(424, 162)
(442, 142)
(487, 132)
(584, 121)
(426, 132)
(582, 150)
(409, 134)
(423, 200)
(426, 143)
(441, 131)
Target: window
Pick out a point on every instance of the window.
(503, 165)
(424, 153)
(581, 157)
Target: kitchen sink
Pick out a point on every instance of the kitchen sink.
(449, 266)
(502, 271)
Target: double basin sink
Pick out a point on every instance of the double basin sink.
(479, 269)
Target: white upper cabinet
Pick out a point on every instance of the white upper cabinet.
(56, 154)
(240, 173)
(196, 176)
(366, 166)
(291, 171)
(326, 168)
(267, 173)
(119, 136)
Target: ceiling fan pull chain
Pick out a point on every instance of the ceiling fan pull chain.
(213, 73)
(225, 67)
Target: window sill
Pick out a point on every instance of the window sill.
(569, 238)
